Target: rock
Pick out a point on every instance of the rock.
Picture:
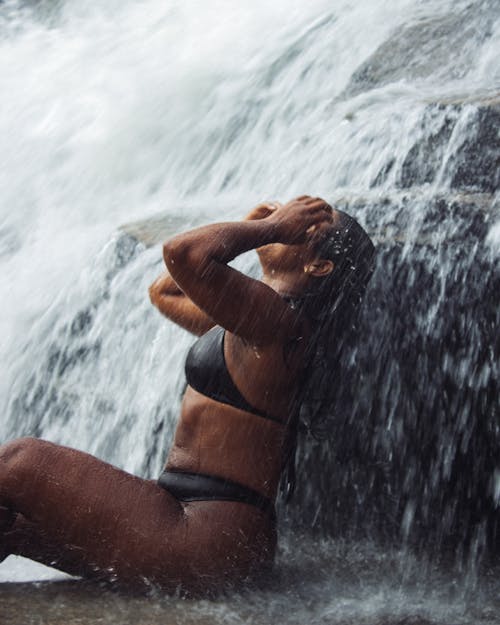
(477, 162)
(155, 230)
(387, 219)
(413, 440)
(77, 602)
(437, 45)
(457, 146)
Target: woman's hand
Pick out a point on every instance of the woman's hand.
(163, 285)
(171, 302)
(198, 262)
(297, 219)
(261, 211)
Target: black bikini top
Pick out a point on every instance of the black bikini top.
(207, 373)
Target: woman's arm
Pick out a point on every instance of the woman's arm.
(170, 300)
(197, 260)
(173, 303)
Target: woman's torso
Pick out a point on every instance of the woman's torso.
(246, 442)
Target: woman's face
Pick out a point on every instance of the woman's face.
(277, 257)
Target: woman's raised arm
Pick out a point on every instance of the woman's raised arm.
(176, 306)
(197, 260)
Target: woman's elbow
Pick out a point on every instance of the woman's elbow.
(181, 254)
(173, 252)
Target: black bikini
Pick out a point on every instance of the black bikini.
(202, 487)
(207, 373)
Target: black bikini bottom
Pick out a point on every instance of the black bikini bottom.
(200, 487)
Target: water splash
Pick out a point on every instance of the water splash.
(116, 111)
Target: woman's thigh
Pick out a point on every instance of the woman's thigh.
(112, 520)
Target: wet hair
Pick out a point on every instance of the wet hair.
(332, 311)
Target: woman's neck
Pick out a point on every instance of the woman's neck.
(288, 285)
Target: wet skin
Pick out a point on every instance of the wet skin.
(67, 509)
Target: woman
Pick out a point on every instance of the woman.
(209, 520)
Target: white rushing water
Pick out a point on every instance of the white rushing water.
(116, 111)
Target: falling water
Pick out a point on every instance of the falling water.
(115, 112)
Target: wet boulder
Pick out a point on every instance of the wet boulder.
(432, 46)
(413, 444)
(457, 146)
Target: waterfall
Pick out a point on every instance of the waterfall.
(114, 113)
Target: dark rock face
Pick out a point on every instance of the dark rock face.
(458, 146)
(477, 163)
(425, 158)
(414, 445)
(414, 436)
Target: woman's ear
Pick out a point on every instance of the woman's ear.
(319, 267)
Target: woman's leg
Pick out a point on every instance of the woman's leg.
(25, 538)
(7, 518)
(87, 516)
